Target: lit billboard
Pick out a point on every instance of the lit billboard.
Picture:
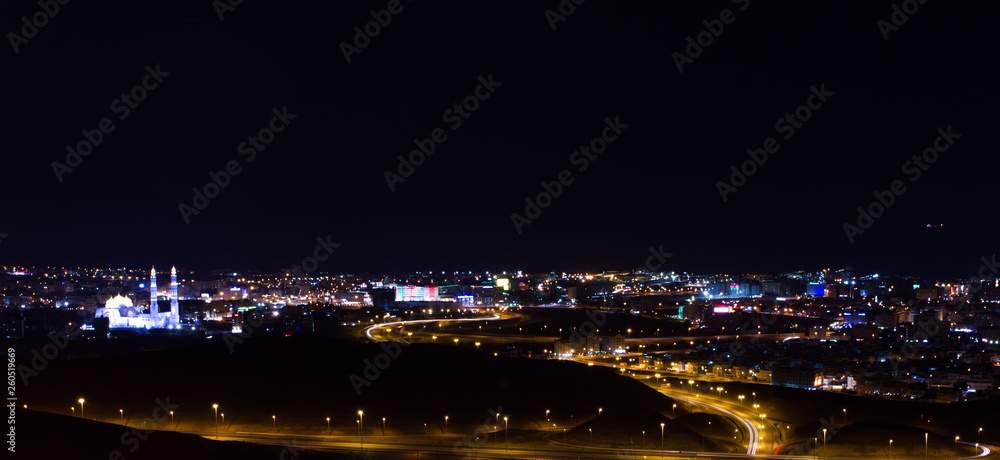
(417, 294)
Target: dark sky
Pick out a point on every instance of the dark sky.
(654, 185)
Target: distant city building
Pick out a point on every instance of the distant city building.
(613, 344)
(121, 313)
(417, 294)
(803, 377)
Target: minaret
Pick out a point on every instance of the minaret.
(175, 319)
(154, 310)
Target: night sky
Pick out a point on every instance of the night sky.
(656, 184)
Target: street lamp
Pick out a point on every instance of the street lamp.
(223, 420)
(979, 436)
(73, 409)
(216, 407)
(361, 427)
(890, 449)
(329, 431)
(81, 407)
(122, 414)
(675, 410)
(824, 442)
(171, 416)
(740, 397)
(845, 416)
(383, 427)
(956, 444)
(274, 422)
(547, 416)
(446, 423)
(661, 438)
(591, 431)
(505, 428)
(599, 411)
(925, 446)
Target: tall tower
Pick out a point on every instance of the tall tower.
(154, 310)
(175, 319)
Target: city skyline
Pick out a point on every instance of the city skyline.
(400, 229)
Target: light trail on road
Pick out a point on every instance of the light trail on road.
(368, 331)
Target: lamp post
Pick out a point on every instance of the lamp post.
(740, 397)
(446, 423)
(121, 412)
(591, 431)
(845, 416)
(81, 407)
(216, 407)
(643, 439)
(979, 436)
(661, 438)
(675, 410)
(956, 444)
(223, 421)
(328, 430)
(890, 449)
(361, 428)
(505, 427)
(925, 446)
(824, 442)
(171, 416)
(383, 427)
(73, 410)
(599, 410)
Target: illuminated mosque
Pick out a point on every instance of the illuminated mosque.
(121, 313)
